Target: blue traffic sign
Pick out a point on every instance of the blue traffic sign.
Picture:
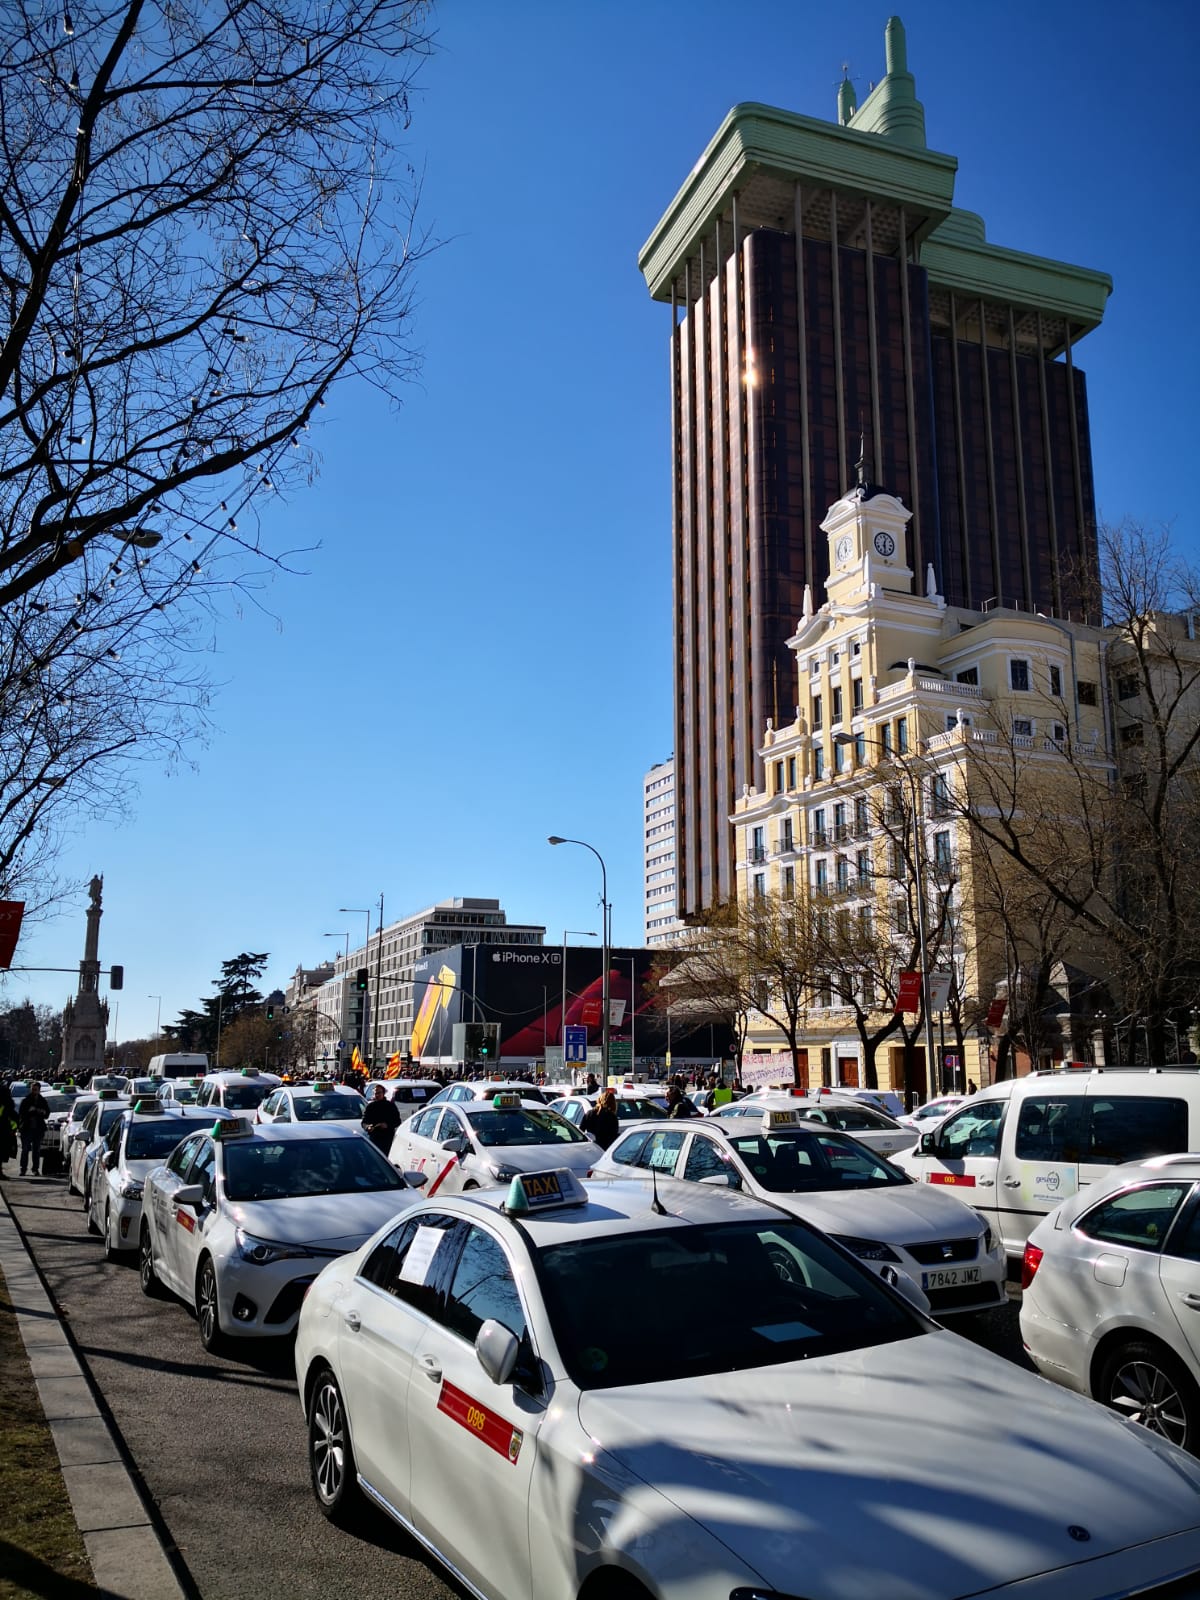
(575, 1044)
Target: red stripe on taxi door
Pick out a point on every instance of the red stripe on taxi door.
(966, 1179)
(487, 1426)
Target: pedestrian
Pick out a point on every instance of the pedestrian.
(678, 1104)
(972, 1086)
(381, 1119)
(602, 1121)
(31, 1121)
(8, 1127)
(591, 1086)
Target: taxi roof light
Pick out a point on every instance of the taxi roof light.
(782, 1119)
(148, 1108)
(544, 1191)
(507, 1102)
(233, 1128)
(322, 1088)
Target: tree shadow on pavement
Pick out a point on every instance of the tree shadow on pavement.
(27, 1575)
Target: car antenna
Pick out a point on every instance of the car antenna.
(656, 1204)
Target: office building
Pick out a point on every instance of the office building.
(662, 925)
(825, 289)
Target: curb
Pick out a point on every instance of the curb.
(122, 1538)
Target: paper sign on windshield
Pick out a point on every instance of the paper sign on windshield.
(419, 1259)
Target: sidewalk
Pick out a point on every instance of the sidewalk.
(122, 1542)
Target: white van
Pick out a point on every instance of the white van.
(178, 1064)
(1017, 1149)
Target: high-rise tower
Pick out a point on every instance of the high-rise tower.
(824, 287)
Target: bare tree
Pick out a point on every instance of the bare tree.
(205, 222)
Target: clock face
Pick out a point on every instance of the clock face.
(843, 548)
(885, 544)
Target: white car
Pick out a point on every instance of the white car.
(140, 1139)
(925, 1118)
(833, 1181)
(312, 1102)
(54, 1146)
(1111, 1301)
(113, 1081)
(72, 1127)
(178, 1091)
(567, 1393)
(241, 1219)
(870, 1126)
(408, 1095)
(487, 1089)
(236, 1091)
(631, 1107)
(478, 1144)
(85, 1145)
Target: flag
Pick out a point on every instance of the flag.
(393, 1066)
(11, 912)
(995, 1014)
(909, 997)
(356, 1061)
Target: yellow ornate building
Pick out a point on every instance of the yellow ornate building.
(904, 705)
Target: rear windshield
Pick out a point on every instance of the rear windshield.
(60, 1102)
(528, 1126)
(244, 1096)
(799, 1162)
(278, 1169)
(336, 1106)
(146, 1140)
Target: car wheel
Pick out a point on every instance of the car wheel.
(1146, 1384)
(91, 1221)
(151, 1284)
(469, 1185)
(331, 1455)
(110, 1250)
(71, 1189)
(207, 1314)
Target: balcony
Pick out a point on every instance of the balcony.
(818, 839)
(757, 853)
(786, 845)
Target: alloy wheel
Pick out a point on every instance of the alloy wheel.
(328, 1442)
(1144, 1393)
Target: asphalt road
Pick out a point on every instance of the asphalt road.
(220, 1444)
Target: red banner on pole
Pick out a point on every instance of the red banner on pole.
(11, 912)
(909, 997)
(591, 1013)
(996, 1012)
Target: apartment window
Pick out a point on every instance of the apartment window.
(860, 748)
(835, 707)
(818, 762)
(1134, 734)
(1056, 682)
(760, 885)
(861, 816)
(1022, 728)
(1018, 674)
(779, 777)
(816, 713)
(941, 851)
(868, 992)
(969, 675)
(856, 694)
(900, 916)
(952, 721)
(885, 738)
(1060, 733)
(785, 835)
(839, 821)
(896, 863)
(843, 873)
(789, 883)
(791, 772)
(757, 852)
(939, 794)
(856, 647)
(901, 736)
(839, 758)
(1128, 687)
(822, 877)
(1087, 693)
(863, 865)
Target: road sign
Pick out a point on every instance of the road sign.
(575, 1044)
(620, 1053)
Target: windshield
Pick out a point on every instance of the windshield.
(184, 1094)
(146, 1140)
(638, 1110)
(245, 1096)
(108, 1115)
(794, 1161)
(60, 1102)
(528, 1126)
(81, 1106)
(278, 1169)
(336, 1106)
(852, 1118)
(726, 1297)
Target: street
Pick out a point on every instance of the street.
(220, 1444)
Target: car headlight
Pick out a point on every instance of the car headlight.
(261, 1252)
(129, 1189)
(865, 1250)
(989, 1238)
(502, 1173)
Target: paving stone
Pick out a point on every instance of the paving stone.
(66, 1397)
(103, 1497)
(83, 1441)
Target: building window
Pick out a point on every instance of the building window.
(818, 762)
(970, 675)
(1087, 693)
(901, 736)
(861, 816)
(856, 647)
(843, 873)
(900, 916)
(791, 772)
(817, 829)
(898, 865)
(939, 794)
(835, 707)
(785, 835)
(1022, 728)
(863, 863)
(856, 694)
(1056, 682)
(760, 885)
(1128, 687)
(839, 758)
(816, 713)
(789, 883)
(1018, 674)
(757, 852)
(885, 738)
(941, 851)
(1134, 734)
(821, 882)
(1060, 733)
(839, 822)
(779, 777)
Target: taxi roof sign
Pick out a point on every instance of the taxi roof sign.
(151, 1107)
(544, 1191)
(782, 1119)
(322, 1088)
(507, 1101)
(233, 1128)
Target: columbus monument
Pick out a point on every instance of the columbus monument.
(85, 1018)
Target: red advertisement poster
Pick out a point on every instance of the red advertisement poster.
(909, 998)
(11, 912)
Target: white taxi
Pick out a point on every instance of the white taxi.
(179, 1091)
(61, 1104)
(468, 1090)
(480, 1371)
(866, 1123)
(312, 1102)
(833, 1181)
(408, 1095)
(478, 1144)
(241, 1091)
(85, 1145)
(140, 1139)
(241, 1218)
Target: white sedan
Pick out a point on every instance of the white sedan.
(566, 1393)
(241, 1219)
(478, 1144)
(926, 1118)
(836, 1183)
(1111, 1301)
(312, 1102)
(86, 1143)
(140, 1139)
(870, 1126)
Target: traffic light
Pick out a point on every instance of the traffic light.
(489, 1041)
(270, 1012)
(361, 979)
(116, 977)
(472, 1042)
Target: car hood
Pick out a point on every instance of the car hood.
(919, 1469)
(911, 1213)
(334, 1222)
(542, 1157)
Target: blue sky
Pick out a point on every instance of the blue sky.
(479, 654)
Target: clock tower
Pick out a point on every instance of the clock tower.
(868, 542)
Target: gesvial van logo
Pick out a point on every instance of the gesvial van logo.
(537, 958)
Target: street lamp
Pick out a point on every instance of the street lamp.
(933, 1075)
(583, 844)
(362, 911)
(346, 936)
(158, 1018)
(581, 933)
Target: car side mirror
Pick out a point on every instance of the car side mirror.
(929, 1144)
(457, 1145)
(416, 1180)
(192, 1194)
(497, 1348)
(110, 1159)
